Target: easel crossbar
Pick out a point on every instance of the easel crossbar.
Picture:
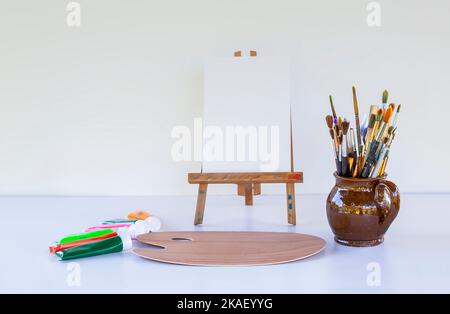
(245, 177)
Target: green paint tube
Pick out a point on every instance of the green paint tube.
(85, 235)
(111, 245)
(119, 221)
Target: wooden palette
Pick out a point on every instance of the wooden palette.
(216, 248)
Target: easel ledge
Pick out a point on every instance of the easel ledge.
(249, 183)
(245, 177)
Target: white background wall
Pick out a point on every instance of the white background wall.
(89, 110)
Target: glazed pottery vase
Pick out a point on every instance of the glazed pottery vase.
(360, 211)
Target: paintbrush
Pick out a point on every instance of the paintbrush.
(357, 124)
(351, 154)
(386, 157)
(392, 108)
(370, 159)
(394, 121)
(337, 131)
(369, 129)
(360, 148)
(340, 137)
(378, 119)
(383, 165)
(391, 135)
(379, 160)
(369, 136)
(332, 108)
(329, 121)
(344, 159)
(360, 164)
(380, 148)
(334, 149)
(389, 132)
(384, 99)
(373, 156)
(376, 172)
(384, 123)
(357, 156)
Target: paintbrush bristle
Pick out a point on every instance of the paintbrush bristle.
(392, 105)
(385, 96)
(371, 121)
(329, 120)
(398, 108)
(379, 115)
(373, 109)
(390, 130)
(387, 115)
(332, 134)
(393, 135)
(345, 126)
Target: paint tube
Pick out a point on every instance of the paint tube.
(119, 221)
(115, 244)
(111, 226)
(151, 224)
(59, 247)
(85, 235)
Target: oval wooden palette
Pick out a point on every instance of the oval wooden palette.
(217, 248)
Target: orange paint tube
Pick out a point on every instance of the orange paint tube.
(63, 246)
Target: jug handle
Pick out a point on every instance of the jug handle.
(391, 213)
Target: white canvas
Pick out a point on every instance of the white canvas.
(246, 114)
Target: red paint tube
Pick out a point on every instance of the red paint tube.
(63, 246)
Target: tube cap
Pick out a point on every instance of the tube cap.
(140, 227)
(153, 224)
(126, 240)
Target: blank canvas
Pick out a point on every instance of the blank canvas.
(243, 95)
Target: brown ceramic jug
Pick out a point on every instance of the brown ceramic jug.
(360, 211)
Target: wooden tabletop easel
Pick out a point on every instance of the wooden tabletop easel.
(248, 183)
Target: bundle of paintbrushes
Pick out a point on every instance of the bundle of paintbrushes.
(362, 151)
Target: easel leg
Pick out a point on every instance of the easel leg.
(256, 188)
(290, 198)
(201, 200)
(248, 194)
(241, 189)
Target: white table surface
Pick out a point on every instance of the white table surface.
(414, 258)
